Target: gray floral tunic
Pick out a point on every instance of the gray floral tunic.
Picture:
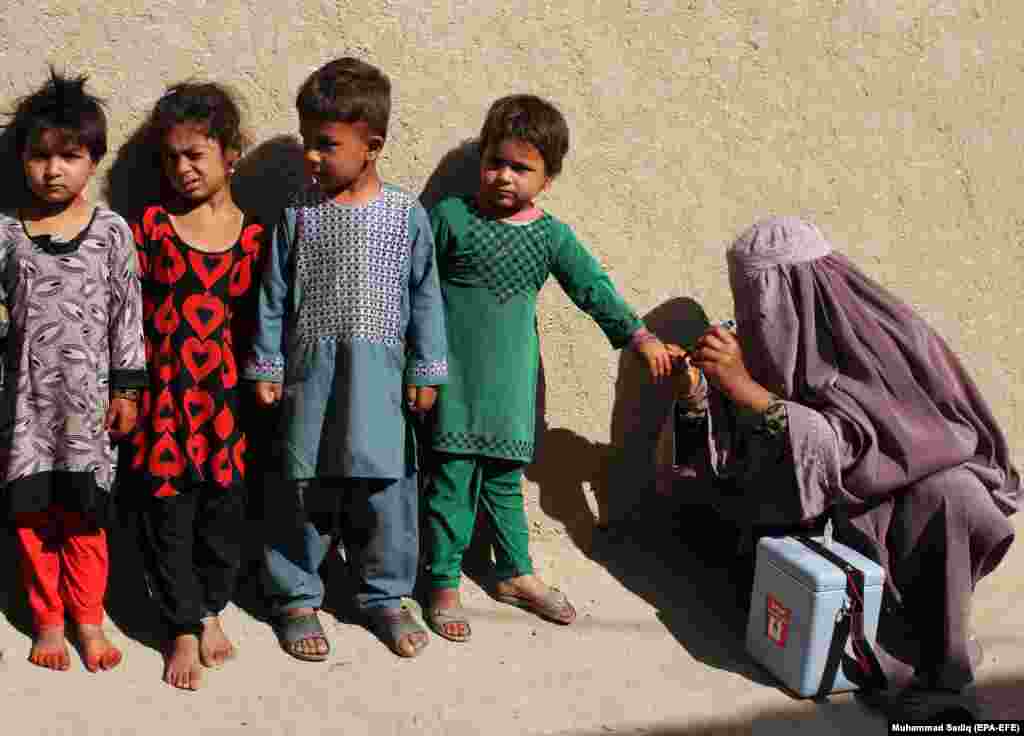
(74, 333)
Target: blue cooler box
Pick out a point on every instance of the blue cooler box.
(799, 597)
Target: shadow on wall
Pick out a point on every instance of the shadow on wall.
(683, 564)
(641, 410)
(457, 174)
(268, 176)
(13, 191)
(620, 475)
(133, 181)
(264, 179)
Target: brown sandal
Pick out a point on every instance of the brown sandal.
(438, 618)
(291, 630)
(392, 624)
(554, 606)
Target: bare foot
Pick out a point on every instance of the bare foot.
(214, 646)
(531, 592)
(98, 652)
(444, 598)
(182, 667)
(310, 645)
(50, 650)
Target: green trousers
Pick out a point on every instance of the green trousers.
(459, 485)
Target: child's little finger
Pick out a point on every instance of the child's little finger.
(665, 363)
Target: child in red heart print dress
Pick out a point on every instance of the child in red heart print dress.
(199, 256)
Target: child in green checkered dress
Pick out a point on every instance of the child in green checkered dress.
(494, 252)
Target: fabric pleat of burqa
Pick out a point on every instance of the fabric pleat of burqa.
(916, 471)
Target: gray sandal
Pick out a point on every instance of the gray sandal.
(391, 624)
(438, 618)
(291, 630)
(554, 606)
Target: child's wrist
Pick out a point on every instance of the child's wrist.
(641, 337)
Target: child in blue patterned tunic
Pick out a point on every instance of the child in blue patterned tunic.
(350, 310)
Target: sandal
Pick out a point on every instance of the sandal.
(554, 606)
(438, 618)
(291, 630)
(392, 624)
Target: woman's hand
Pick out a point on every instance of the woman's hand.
(719, 356)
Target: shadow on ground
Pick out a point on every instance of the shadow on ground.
(828, 718)
(679, 558)
(999, 699)
(13, 603)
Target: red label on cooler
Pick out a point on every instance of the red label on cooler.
(778, 617)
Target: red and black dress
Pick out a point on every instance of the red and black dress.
(189, 451)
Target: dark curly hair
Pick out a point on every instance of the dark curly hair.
(61, 104)
(531, 119)
(207, 104)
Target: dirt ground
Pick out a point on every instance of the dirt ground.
(657, 649)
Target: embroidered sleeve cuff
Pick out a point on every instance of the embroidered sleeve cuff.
(776, 419)
(426, 372)
(265, 369)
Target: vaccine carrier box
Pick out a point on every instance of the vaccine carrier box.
(799, 600)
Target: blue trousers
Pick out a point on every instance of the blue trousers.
(379, 522)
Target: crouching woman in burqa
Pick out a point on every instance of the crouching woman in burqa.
(835, 396)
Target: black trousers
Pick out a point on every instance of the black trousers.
(192, 552)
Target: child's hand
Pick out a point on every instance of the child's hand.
(659, 362)
(121, 417)
(268, 393)
(420, 399)
(719, 355)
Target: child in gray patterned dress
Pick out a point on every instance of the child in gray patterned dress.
(350, 311)
(76, 360)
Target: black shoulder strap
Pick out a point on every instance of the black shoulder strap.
(864, 654)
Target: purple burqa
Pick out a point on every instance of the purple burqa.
(914, 465)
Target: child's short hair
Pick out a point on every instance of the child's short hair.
(208, 104)
(61, 104)
(347, 91)
(532, 119)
